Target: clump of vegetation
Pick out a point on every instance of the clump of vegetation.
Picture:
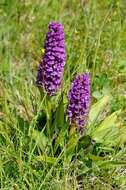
(52, 137)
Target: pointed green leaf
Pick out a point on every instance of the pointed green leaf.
(107, 131)
(98, 108)
(84, 142)
(47, 159)
(112, 163)
(59, 120)
(39, 137)
(122, 136)
(60, 138)
(95, 158)
(70, 148)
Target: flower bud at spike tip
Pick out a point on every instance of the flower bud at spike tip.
(79, 101)
(51, 67)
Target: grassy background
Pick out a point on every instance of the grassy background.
(95, 33)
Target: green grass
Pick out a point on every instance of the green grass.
(95, 33)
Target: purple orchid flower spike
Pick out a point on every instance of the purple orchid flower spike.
(51, 68)
(79, 101)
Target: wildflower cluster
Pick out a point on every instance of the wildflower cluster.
(50, 73)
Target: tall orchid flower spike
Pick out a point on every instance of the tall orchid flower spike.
(51, 68)
(79, 101)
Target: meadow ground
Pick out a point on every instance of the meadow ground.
(95, 34)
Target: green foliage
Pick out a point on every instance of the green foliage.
(38, 148)
(98, 108)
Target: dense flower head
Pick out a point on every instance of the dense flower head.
(51, 68)
(79, 100)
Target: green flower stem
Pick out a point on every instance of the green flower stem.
(34, 120)
(48, 110)
(32, 132)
